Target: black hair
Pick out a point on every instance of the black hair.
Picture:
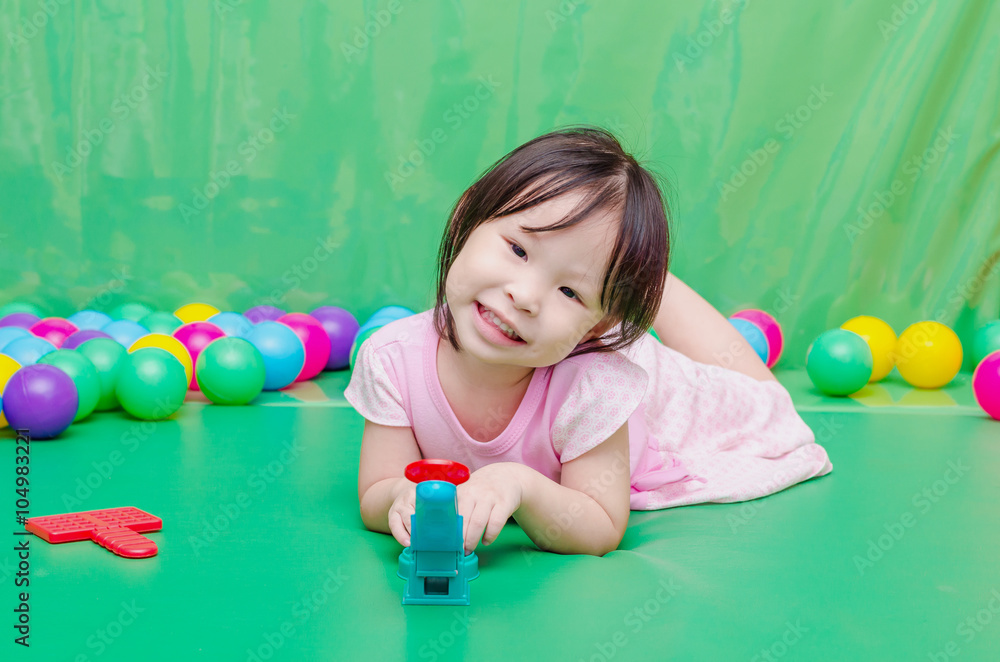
(590, 159)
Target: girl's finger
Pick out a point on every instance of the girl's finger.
(477, 523)
(497, 519)
(399, 531)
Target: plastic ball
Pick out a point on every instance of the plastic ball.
(282, 351)
(28, 350)
(231, 371)
(8, 367)
(84, 376)
(314, 340)
(161, 322)
(387, 314)
(233, 325)
(196, 336)
(771, 329)
(753, 335)
(9, 334)
(89, 319)
(152, 384)
(125, 332)
(986, 384)
(928, 354)
(107, 356)
(54, 329)
(769, 326)
(985, 341)
(839, 362)
(23, 320)
(42, 399)
(195, 312)
(881, 340)
(18, 307)
(341, 328)
(80, 337)
(259, 314)
(359, 340)
(172, 345)
(132, 310)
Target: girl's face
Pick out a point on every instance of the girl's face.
(546, 286)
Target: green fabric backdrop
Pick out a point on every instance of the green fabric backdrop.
(823, 161)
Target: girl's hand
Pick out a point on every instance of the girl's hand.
(487, 499)
(400, 511)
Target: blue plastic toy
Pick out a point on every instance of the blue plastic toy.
(436, 569)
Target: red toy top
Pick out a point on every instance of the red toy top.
(452, 472)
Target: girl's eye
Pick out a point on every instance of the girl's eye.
(515, 248)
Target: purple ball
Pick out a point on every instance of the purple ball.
(76, 339)
(341, 328)
(259, 314)
(23, 320)
(42, 399)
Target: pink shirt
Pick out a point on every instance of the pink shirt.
(697, 433)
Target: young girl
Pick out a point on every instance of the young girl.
(536, 370)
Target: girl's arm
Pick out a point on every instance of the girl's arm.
(385, 452)
(587, 512)
(692, 326)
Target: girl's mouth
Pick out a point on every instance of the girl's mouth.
(489, 325)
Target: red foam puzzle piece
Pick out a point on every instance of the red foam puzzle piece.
(116, 529)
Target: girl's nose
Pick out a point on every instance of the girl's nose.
(522, 295)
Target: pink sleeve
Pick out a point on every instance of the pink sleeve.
(372, 391)
(604, 392)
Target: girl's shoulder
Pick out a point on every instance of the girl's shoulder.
(409, 330)
(597, 373)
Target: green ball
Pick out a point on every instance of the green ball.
(152, 384)
(985, 341)
(107, 356)
(161, 322)
(230, 371)
(839, 362)
(359, 340)
(18, 307)
(133, 310)
(83, 373)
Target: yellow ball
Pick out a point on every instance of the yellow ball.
(8, 367)
(169, 343)
(928, 354)
(195, 312)
(880, 338)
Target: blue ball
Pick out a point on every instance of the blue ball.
(388, 314)
(233, 325)
(125, 332)
(27, 351)
(753, 335)
(283, 352)
(9, 334)
(89, 319)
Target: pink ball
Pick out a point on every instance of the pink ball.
(196, 336)
(986, 384)
(314, 339)
(771, 329)
(54, 329)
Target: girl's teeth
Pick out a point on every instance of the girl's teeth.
(503, 327)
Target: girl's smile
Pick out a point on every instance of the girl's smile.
(493, 328)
